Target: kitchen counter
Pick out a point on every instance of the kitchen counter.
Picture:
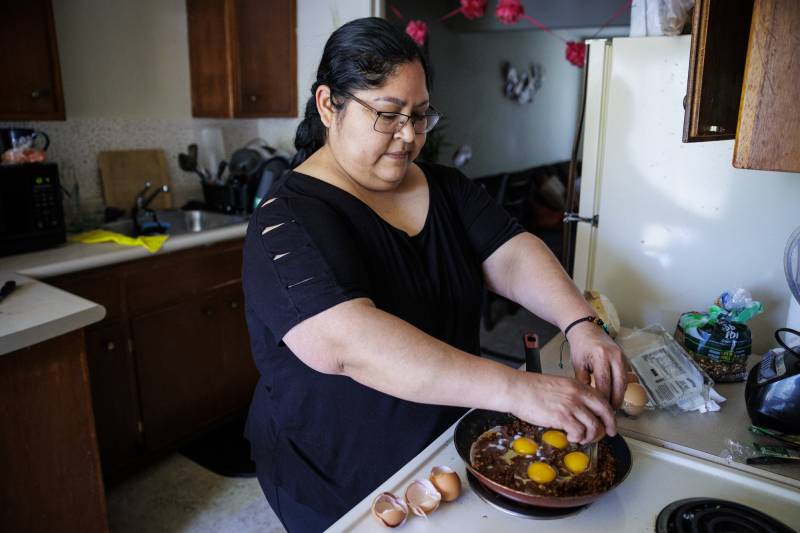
(701, 435)
(674, 457)
(36, 312)
(74, 257)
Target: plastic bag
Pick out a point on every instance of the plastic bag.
(659, 17)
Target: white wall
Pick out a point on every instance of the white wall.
(504, 135)
(124, 58)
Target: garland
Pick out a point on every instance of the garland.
(509, 12)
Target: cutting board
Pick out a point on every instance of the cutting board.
(124, 173)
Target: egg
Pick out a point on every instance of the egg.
(555, 438)
(422, 497)
(446, 482)
(635, 399)
(541, 472)
(525, 446)
(576, 462)
(389, 510)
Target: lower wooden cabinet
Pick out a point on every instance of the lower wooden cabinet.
(170, 363)
(49, 463)
(113, 383)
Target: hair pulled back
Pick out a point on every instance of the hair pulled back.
(359, 55)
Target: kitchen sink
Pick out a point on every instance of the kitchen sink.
(177, 222)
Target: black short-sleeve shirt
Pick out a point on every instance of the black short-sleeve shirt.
(325, 439)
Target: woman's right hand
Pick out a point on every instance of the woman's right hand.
(561, 403)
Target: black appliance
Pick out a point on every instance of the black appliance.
(709, 515)
(772, 393)
(31, 211)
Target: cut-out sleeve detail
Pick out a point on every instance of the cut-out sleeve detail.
(300, 258)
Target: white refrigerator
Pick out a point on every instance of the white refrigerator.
(677, 224)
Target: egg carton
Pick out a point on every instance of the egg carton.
(667, 373)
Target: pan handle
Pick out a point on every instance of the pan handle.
(533, 362)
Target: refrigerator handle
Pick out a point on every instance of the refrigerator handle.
(575, 217)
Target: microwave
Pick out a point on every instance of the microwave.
(31, 210)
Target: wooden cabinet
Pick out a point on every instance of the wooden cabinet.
(116, 406)
(50, 467)
(768, 136)
(31, 87)
(720, 29)
(743, 81)
(173, 356)
(243, 58)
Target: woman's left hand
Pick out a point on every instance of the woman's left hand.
(594, 352)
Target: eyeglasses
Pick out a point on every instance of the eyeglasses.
(391, 122)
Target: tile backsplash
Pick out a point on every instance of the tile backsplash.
(75, 143)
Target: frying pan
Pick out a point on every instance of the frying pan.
(478, 421)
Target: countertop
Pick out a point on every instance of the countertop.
(671, 455)
(36, 312)
(74, 257)
(703, 435)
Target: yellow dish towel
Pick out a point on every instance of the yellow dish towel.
(153, 243)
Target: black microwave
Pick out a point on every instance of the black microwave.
(31, 210)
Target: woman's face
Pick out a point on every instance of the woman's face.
(379, 161)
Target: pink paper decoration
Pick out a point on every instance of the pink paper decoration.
(509, 11)
(576, 53)
(418, 31)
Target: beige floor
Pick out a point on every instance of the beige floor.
(176, 495)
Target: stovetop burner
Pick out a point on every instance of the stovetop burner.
(707, 515)
(520, 509)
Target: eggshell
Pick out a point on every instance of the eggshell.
(635, 399)
(422, 497)
(446, 482)
(389, 510)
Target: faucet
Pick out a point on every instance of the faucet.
(140, 204)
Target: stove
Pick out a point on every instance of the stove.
(658, 478)
(521, 510)
(708, 515)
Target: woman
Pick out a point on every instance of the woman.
(363, 275)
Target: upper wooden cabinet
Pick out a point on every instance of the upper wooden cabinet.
(743, 81)
(768, 136)
(716, 67)
(31, 86)
(243, 58)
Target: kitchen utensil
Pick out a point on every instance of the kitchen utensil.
(478, 421)
(187, 164)
(221, 171)
(125, 171)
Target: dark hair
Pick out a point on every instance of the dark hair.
(361, 54)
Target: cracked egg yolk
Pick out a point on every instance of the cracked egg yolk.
(541, 473)
(524, 446)
(576, 462)
(555, 438)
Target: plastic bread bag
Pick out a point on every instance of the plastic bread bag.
(718, 340)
